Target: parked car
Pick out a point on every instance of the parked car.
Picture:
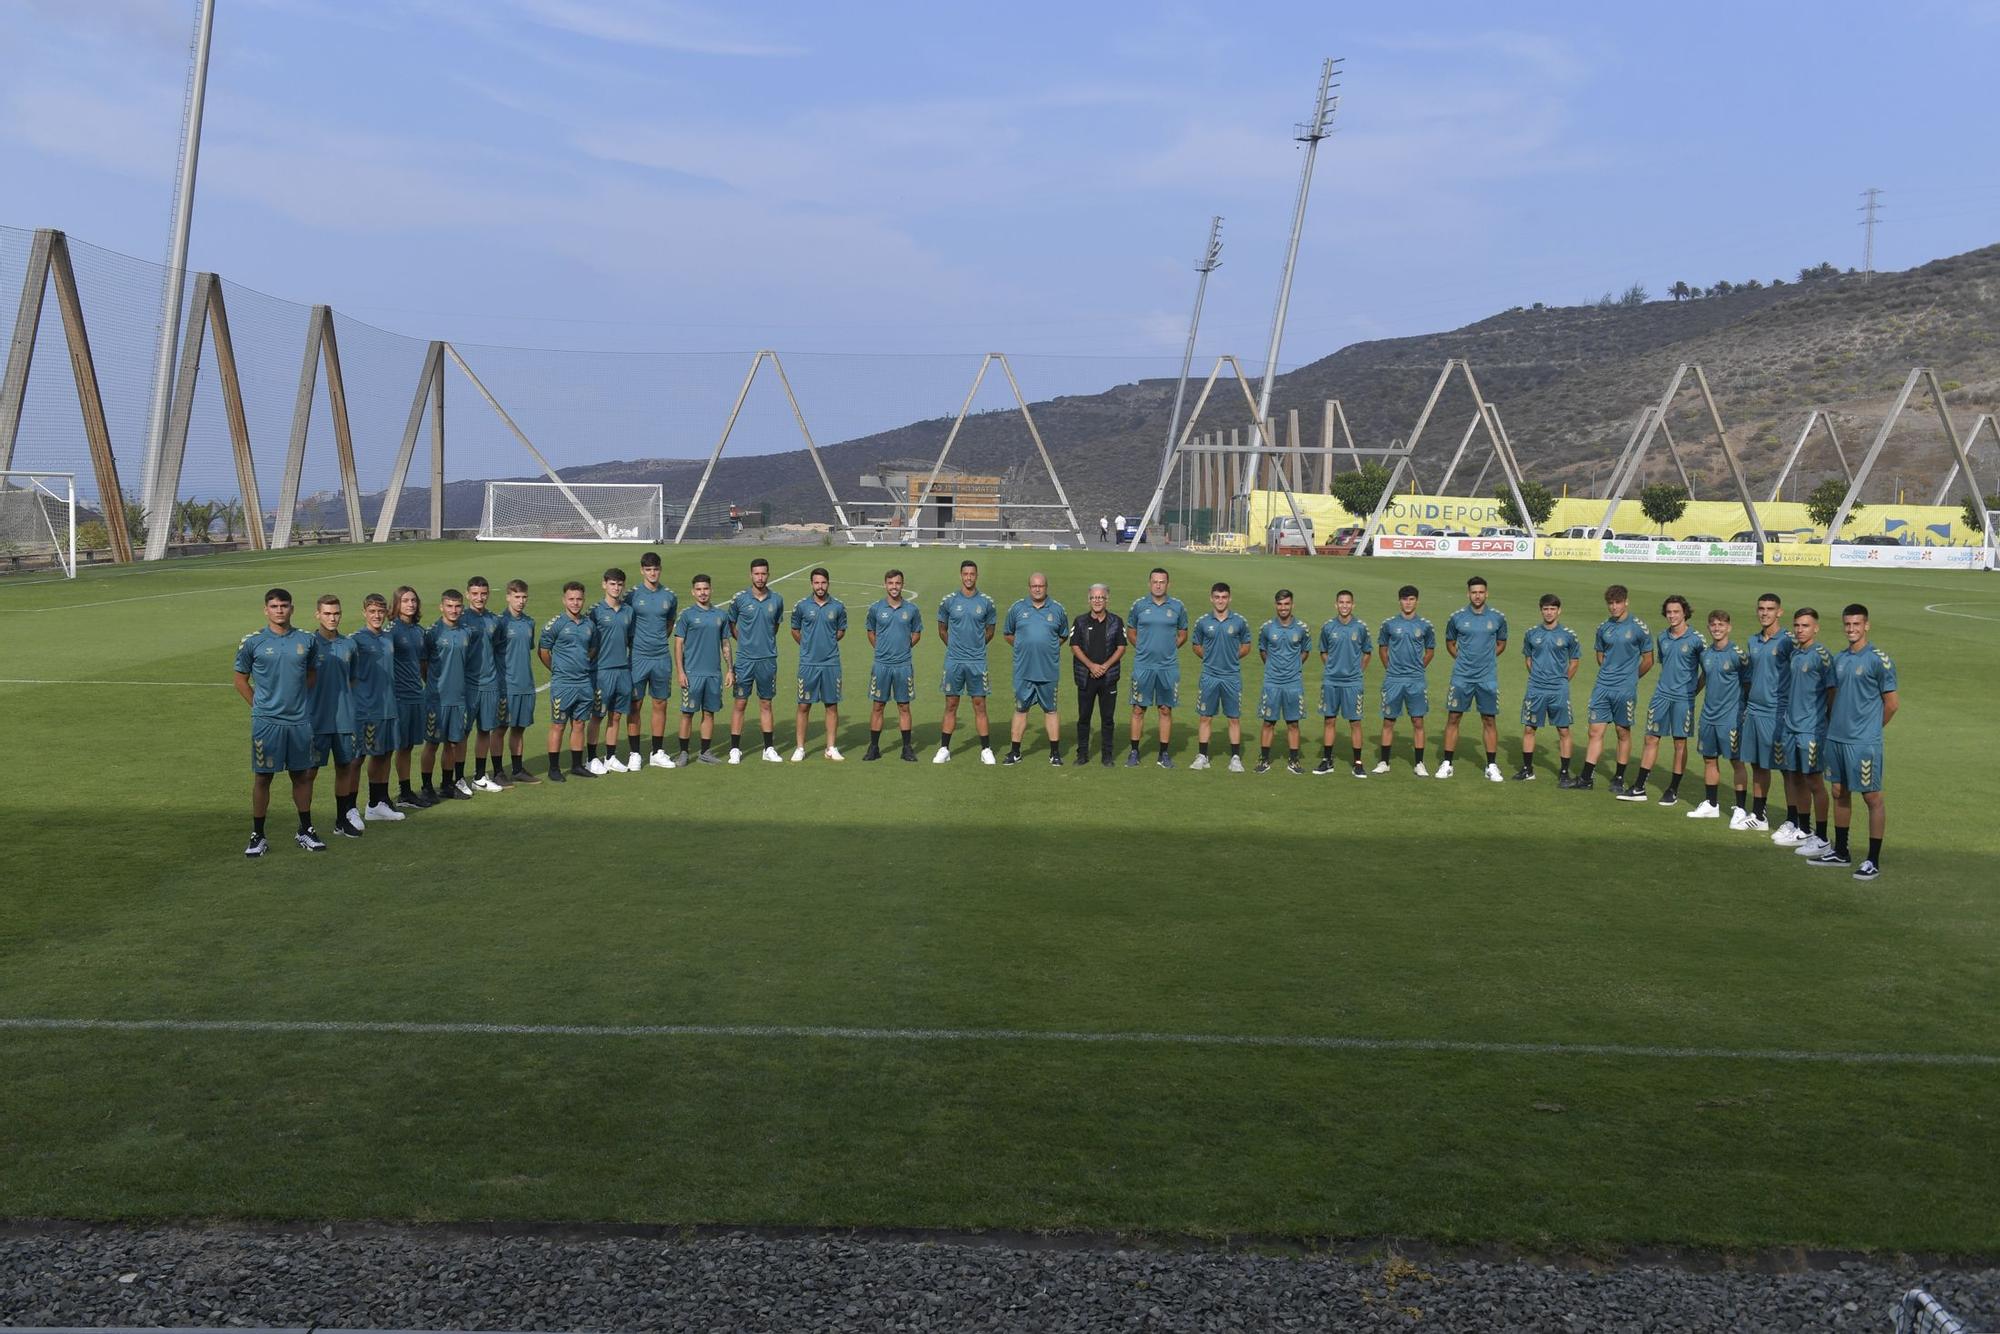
(1284, 534)
(1630, 537)
(1583, 531)
(1701, 537)
(1874, 540)
(1346, 542)
(1451, 532)
(1804, 536)
(1491, 531)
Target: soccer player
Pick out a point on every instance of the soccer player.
(1553, 652)
(654, 607)
(1770, 650)
(1097, 646)
(482, 685)
(1221, 641)
(448, 645)
(1802, 753)
(1624, 654)
(568, 647)
(1670, 712)
(1035, 629)
(374, 673)
(818, 625)
(1283, 645)
(276, 666)
(1475, 635)
(514, 643)
(1864, 700)
(1157, 626)
(1406, 644)
(412, 696)
(333, 716)
(1344, 649)
(1725, 675)
(754, 617)
(966, 619)
(614, 676)
(894, 627)
(703, 666)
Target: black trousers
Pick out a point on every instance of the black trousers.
(1099, 695)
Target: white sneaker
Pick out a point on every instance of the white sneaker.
(1739, 818)
(735, 755)
(1200, 762)
(613, 765)
(986, 756)
(382, 810)
(833, 753)
(798, 755)
(771, 755)
(1812, 847)
(354, 821)
(1444, 770)
(1381, 767)
(1788, 835)
(1757, 824)
(1493, 774)
(671, 763)
(943, 755)
(464, 788)
(1708, 810)
(661, 760)
(596, 767)
(485, 784)
(1422, 772)
(1236, 764)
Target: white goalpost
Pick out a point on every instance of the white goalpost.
(574, 512)
(38, 517)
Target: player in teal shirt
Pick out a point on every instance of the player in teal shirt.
(1624, 654)
(482, 686)
(375, 702)
(275, 670)
(1553, 652)
(448, 645)
(1406, 643)
(1036, 627)
(334, 725)
(654, 607)
(614, 678)
(1283, 645)
(1770, 650)
(702, 666)
(1670, 713)
(568, 648)
(1802, 752)
(754, 617)
(1725, 674)
(818, 625)
(1864, 700)
(966, 619)
(514, 643)
(413, 709)
(1344, 649)
(1156, 627)
(1221, 639)
(894, 627)
(1475, 635)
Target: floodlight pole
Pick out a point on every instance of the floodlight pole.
(1309, 133)
(155, 490)
(1211, 260)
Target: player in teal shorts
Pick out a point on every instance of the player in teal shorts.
(1035, 628)
(1725, 675)
(412, 694)
(568, 648)
(1156, 627)
(1864, 700)
(1770, 650)
(275, 669)
(1344, 649)
(702, 667)
(514, 643)
(1802, 752)
(1406, 643)
(1624, 654)
(334, 731)
(374, 674)
(1283, 645)
(448, 644)
(483, 702)
(654, 607)
(1476, 636)
(819, 623)
(614, 677)
(894, 627)
(1670, 713)
(754, 617)
(1553, 652)
(966, 619)
(1221, 639)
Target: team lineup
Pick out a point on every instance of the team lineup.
(399, 694)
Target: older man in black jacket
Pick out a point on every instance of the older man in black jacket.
(1097, 642)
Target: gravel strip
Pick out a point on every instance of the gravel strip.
(417, 1280)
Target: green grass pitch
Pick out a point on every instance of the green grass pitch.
(1029, 900)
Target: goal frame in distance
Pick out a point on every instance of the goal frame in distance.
(61, 488)
(598, 529)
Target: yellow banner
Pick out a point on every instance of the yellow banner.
(1568, 548)
(1797, 553)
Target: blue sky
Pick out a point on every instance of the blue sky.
(1036, 178)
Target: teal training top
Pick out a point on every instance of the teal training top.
(1769, 657)
(1622, 643)
(412, 652)
(1154, 629)
(1407, 638)
(965, 618)
(479, 664)
(1860, 678)
(333, 688)
(820, 625)
(895, 628)
(1345, 646)
(515, 644)
(1549, 651)
(614, 635)
(653, 611)
(374, 670)
(450, 650)
(572, 644)
(700, 630)
(755, 624)
(1219, 638)
(1811, 673)
(1725, 674)
(1679, 660)
(1285, 648)
(1478, 635)
(1038, 634)
(277, 666)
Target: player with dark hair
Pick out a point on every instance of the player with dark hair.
(1725, 675)
(1344, 649)
(614, 677)
(1553, 652)
(276, 666)
(1864, 701)
(819, 623)
(1802, 752)
(1476, 636)
(482, 686)
(334, 740)
(448, 644)
(1624, 654)
(1035, 629)
(1406, 643)
(1670, 713)
(1283, 645)
(1221, 639)
(374, 673)
(966, 619)
(1770, 650)
(703, 666)
(412, 694)
(754, 616)
(654, 607)
(894, 627)
(568, 648)
(514, 639)
(1157, 627)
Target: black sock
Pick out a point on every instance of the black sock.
(1135, 748)
(1201, 749)
(305, 821)
(736, 741)
(1384, 757)
(1236, 749)
(909, 737)
(575, 759)
(1740, 799)
(770, 739)
(257, 826)
(1709, 791)
(705, 743)
(1674, 783)
(1840, 839)
(1449, 752)
(1326, 754)
(479, 767)
(985, 741)
(403, 785)
(1163, 750)
(1014, 750)
(1491, 759)
(555, 761)
(1263, 754)
(458, 772)
(519, 767)
(1758, 809)
(1619, 777)
(944, 740)
(590, 751)
(874, 738)
(340, 807)
(1640, 780)
(1055, 750)
(633, 738)
(1419, 752)
(1792, 816)
(1294, 753)
(1875, 851)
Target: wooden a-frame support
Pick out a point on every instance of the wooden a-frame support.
(1986, 422)
(1817, 417)
(321, 349)
(430, 393)
(1926, 376)
(1652, 422)
(206, 314)
(49, 258)
(798, 415)
(1484, 414)
(1034, 433)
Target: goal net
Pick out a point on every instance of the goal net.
(573, 512)
(38, 520)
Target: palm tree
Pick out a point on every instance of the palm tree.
(1679, 291)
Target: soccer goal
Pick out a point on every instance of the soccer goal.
(38, 519)
(573, 512)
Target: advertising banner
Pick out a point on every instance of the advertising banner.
(1668, 552)
(1850, 556)
(1795, 553)
(1569, 548)
(1484, 548)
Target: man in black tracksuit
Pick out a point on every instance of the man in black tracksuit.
(1097, 642)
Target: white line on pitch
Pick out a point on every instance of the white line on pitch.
(30, 681)
(193, 592)
(1939, 608)
(792, 574)
(1447, 1046)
